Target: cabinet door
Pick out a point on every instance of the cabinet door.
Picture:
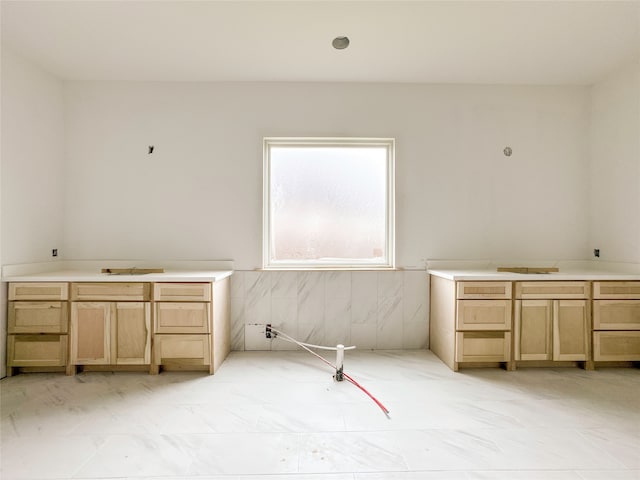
(570, 329)
(551, 290)
(619, 290)
(131, 333)
(182, 317)
(616, 346)
(533, 330)
(90, 333)
(483, 315)
(36, 350)
(112, 291)
(182, 349)
(483, 346)
(182, 292)
(616, 314)
(38, 317)
(38, 291)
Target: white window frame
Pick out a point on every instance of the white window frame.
(348, 264)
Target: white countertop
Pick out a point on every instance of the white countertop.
(568, 270)
(84, 276)
(90, 271)
(555, 276)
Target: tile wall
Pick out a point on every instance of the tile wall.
(372, 310)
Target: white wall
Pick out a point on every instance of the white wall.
(32, 167)
(614, 219)
(199, 195)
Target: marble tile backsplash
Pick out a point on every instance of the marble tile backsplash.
(372, 310)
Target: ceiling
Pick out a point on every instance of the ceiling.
(477, 42)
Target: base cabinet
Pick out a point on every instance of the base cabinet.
(470, 322)
(110, 324)
(552, 321)
(616, 321)
(551, 330)
(182, 350)
(483, 346)
(117, 325)
(37, 325)
(110, 333)
(183, 326)
(37, 350)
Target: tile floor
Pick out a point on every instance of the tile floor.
(279, 415)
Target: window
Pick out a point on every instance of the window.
(328, 203)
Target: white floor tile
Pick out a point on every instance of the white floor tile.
(280, 415)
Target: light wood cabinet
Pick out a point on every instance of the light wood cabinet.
(110, 324)
(38, 291)
(36, 351)
(117, 325)
(571, 330)
(37, 325)
(470, 322)
(90, 333)
(183, 325)
(552, 321)
(616, 321)
(182, 350)
(38, 317)
(483, 346)
(532, 329)
(110, 333)
(191, 325)
(483, 315)
(181, 317)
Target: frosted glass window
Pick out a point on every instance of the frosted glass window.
(328, 203)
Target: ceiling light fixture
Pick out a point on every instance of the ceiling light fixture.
(340, 43)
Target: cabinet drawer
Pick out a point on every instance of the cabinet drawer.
(111, 291)
(628, 290)
(38, 317)
(483, 315)
(616, 346)
(36, 350)
(182, 292)
(486, 290)
(552, 290)
(182, 349)
(38, 291)
(616, 314)
(182, 317)
(483, 346)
